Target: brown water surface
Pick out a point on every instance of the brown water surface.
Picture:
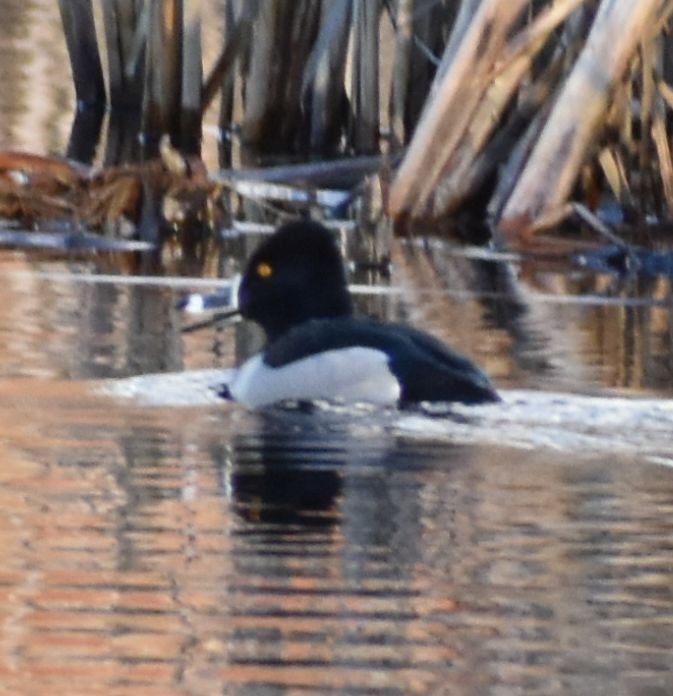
(212, 551)
(205, 550)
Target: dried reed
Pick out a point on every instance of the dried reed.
(522, 105)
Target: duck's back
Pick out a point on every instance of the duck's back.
(425, 368)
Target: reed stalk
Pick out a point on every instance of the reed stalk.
(163, 75)
(365, 76)
(264, 84)
(80, 35)
(323, 79)
(488, 96)
(192, 78)
(124, 34)
(459, 87)
(578, 114)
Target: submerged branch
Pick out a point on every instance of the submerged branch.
(69, 241)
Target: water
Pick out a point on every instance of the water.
(154, 541)
(150, 546)
(214, 551)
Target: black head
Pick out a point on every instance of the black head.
(295, 275)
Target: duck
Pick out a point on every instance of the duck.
(294, 287)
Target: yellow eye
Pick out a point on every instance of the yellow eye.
(264, 270)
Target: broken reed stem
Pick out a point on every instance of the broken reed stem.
(457, 183)
(465, 166)
(577, 114)
(612, 165)
(453, 103)
(658, 130)
(527, 41)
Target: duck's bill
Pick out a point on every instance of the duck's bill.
(214, 307)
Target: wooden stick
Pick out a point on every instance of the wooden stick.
(69, 241)
(334, 173)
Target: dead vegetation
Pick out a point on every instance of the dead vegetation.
(518, 112)
(34, 187)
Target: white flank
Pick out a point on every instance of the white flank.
(347, 374)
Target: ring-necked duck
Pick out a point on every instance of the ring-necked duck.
(294, 287)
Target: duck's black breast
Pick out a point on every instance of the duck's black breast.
(425, 368)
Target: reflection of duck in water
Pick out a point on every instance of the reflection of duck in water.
(358, 493)
(282, 477)
(295, 287)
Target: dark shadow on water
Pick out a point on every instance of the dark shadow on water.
(288, 471)
(300, 472)
(290, 479)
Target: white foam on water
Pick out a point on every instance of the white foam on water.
(525, 419)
